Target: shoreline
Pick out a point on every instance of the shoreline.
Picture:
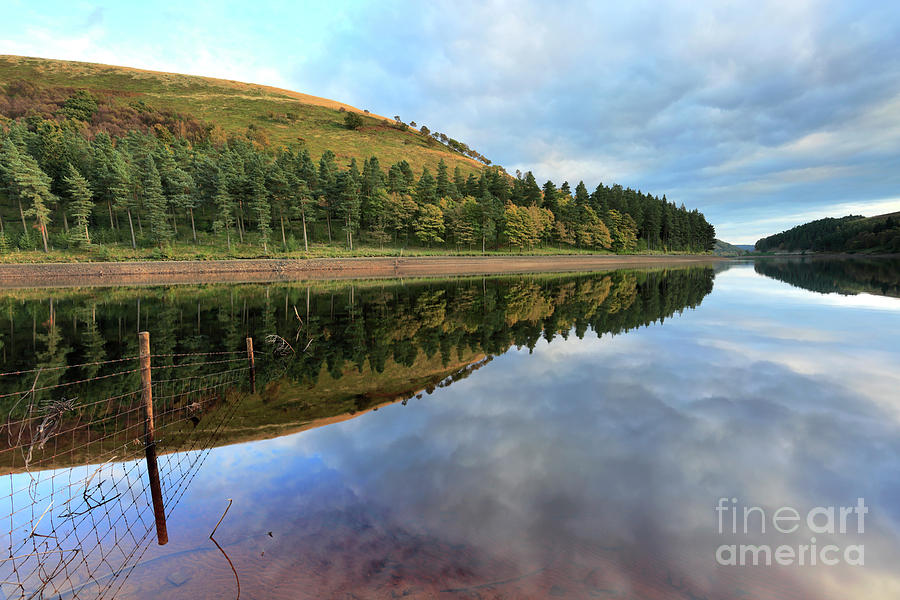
(270, 270)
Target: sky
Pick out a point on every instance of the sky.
(762, 114)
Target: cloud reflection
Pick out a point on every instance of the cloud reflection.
(594, 464)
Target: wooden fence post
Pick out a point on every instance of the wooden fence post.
(159, 511)
(252, 365)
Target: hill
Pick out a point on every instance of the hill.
(112, 163)
(853, 233)
(276, 116)
(725, 249)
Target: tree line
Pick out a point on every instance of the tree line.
(852, 233)
(147, 189)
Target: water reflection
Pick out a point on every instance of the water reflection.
(840, 275)
(584, 468)
(337, 350)
(573, 464)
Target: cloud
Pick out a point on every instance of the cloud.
(744, 112)
(747, 112)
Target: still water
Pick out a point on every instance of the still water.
(521, 437)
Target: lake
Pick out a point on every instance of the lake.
(730, 431)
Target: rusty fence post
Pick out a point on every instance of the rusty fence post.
(159, 511)
(252, 365)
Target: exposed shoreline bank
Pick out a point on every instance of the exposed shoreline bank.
(263, 270)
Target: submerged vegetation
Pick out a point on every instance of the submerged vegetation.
(87, 168)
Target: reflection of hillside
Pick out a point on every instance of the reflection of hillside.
(365, 345)
(879, 276)
(287, 406)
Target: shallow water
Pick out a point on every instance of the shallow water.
(536, 436)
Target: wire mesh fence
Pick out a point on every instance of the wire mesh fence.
(94, 456)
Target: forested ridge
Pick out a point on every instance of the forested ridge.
(852, 233)
(72, 180)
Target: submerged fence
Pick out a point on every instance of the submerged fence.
(94, 456)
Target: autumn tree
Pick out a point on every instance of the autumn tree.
(429, 225)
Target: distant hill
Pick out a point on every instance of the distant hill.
(746, 247)
(725, 249)
(853, 233)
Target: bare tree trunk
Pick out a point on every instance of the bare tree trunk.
(22, 214)
(283, 239)
(193, 228)
(241, 219)
(112, 223)
(349, 233)
(131, 228)
(44, 235)
(65, 221)
(328, 219)
(305, 244)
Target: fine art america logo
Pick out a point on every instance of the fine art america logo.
(788, 524)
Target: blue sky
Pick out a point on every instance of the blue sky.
(761, 114)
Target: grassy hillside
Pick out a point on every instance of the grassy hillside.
(281, 116)
(879, 234)
(725, 249)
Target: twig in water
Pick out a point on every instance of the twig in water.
(38, 554)
(12, 411)
(33, 529)
(280, 346)
(54, 410)
(230, 564)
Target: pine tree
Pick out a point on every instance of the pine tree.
(550, 193)
(304, 206)
(327, 190)
(531, 191)
(80, 206)
(26, 181)
(443, 184)
(348, 199)
(155, 202)
(259, 204)
(459, 183)
(224, 214)
(426, 190)
(121, 188)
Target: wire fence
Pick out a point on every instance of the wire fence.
(89, 476)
